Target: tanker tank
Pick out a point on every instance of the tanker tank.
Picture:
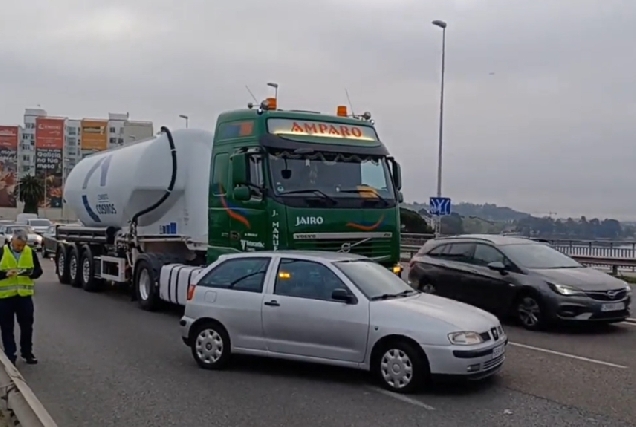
(108, 188)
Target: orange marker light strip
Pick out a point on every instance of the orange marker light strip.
(272, 104)
(342, 111)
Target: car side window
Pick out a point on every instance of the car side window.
(485, 254)
(460, 252)
(245, 274)
(437, 251)
(306, 279)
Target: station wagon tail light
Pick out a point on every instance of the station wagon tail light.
(191, 289)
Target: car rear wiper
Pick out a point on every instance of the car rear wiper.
(405, 293)
(310, 190)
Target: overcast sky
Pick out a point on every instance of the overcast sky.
(540, 98)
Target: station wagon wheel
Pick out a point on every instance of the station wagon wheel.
(210, 345)
(400, 366)
(529, 312)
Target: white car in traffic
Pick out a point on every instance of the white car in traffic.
(34, 240)
(337, 309)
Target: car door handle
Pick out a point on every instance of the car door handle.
(272, 303)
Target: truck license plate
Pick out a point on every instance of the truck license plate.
(613, 306)
(498, 351)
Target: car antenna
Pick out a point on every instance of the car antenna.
(251, 94)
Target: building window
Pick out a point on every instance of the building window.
(72, 131)
(120, 141)
(71, 140)
(25, 158)
(112, 140)
(111, 129)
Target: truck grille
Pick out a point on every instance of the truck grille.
(371, 248)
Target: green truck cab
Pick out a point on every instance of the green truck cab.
(305, 181)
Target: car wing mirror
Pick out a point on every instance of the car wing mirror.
(342, 295)
(497, 266)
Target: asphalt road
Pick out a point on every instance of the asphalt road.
(104, 362)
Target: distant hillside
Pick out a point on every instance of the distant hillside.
(486, 211)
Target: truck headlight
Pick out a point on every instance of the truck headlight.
(465, 338)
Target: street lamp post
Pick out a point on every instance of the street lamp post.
(184, 117)
(442, 25)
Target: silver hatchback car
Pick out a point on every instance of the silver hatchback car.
(337, 309)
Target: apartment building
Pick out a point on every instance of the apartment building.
(118, 129)
(62, 143)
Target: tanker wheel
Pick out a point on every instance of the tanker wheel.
(61, 265)
(74, 267)
(145, 280)
(89, 282)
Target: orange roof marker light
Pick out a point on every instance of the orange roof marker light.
(272, 104)
(342, 111)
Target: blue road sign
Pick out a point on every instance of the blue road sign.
(440, 206)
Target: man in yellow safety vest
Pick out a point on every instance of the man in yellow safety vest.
(19, 267)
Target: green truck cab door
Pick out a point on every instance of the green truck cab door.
(245, 206)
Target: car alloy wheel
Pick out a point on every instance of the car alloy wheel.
(427, 288)
(529, 312)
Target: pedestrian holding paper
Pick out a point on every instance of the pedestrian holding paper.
(19, 267)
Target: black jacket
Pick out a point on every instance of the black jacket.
(37, 268)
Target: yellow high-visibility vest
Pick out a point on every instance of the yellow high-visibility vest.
(16, 285)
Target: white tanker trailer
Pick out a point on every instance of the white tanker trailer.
(142, 206)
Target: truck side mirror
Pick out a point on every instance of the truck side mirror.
(400, 197)
(239, 169)
(241, 194)
(396, 171)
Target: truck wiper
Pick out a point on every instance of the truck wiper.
(376, 196)
(310, 190)
(405, 293)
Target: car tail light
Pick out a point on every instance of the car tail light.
(191, 289)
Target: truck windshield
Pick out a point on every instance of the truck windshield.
(334, 175)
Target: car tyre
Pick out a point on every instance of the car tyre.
(400, 366)
(61, 265)
(529, 311)
(210, 345)
(74, 267)
(426, 286)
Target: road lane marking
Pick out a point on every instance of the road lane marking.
(403, 398)
(571, 356)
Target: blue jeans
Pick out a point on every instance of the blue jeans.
(20, 308)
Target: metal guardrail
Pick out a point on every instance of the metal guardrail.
(18, 405)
